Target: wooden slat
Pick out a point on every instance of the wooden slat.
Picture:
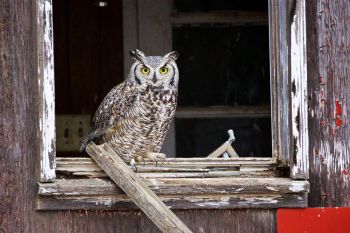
(222, 112)
(280, 84)
(176, 167)
(248, 161)
(300, 101)
(231, 17)
(165, 174)
(46, 90)
(178, 186)
(136, 190)
(176, 202)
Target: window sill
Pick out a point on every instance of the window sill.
(177, 193)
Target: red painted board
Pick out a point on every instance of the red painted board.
(312, 220)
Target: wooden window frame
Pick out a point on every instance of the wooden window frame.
(288, 113)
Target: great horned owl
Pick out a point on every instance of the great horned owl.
(135, 115)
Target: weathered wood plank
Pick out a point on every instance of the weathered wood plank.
(186, 167)
(329, 100)
(138, 192)
(165, 174)
(46, 88)
(234, 161)
(280, 81)
(178, 186)
(178, 202)
(299, 100)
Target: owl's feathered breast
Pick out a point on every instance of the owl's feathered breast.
(134, 119)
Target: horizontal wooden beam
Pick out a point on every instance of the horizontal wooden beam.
(178, 186)
(176, 167)
(227, 17)
(178, 162)
(222, 112)
(223, 201)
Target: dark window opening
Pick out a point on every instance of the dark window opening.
(88, 48)
(223, 65)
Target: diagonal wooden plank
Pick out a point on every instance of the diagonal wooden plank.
(142, 196)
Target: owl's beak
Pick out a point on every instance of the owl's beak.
(154, 79)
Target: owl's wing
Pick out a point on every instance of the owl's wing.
(111, 110)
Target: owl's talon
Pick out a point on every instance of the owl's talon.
(133, 164)
(155, 157)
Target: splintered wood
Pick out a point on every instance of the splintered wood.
(139, 192)
(181, 183)
(176, 167)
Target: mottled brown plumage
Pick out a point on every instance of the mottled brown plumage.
(135, 115)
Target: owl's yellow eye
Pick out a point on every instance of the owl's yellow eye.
(145, 70)
(163, 70)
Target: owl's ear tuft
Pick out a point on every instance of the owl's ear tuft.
(174, 55)
(137, 55)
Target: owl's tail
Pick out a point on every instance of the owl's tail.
(84, 144)
(93, 136)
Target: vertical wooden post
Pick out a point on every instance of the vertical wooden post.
(46, 88)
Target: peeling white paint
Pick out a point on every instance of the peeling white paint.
(46, 85)
(107, 202)
(48, 191)
(213, 204)
(272, 189)
(260, 200)
(298, 186)
(299, 91)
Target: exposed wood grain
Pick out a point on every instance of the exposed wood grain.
(46, 85)
(329, 100)
(176, 167)
(165, 174)
(204, 161)
(179, 186)
(232, 17)
(262, 201)
(20, 136)
(280, 81)
(225, 147)
(138, 192)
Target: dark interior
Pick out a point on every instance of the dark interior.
(88, 43)
(223, 65)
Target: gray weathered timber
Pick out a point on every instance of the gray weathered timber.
(279, 18)
(138, 192)
(176, 167)
(177, 193)
(329, 100)
(182, 162)
(240, 201)
(178, 186)
(46, 88)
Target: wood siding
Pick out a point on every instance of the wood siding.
(329, 101)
